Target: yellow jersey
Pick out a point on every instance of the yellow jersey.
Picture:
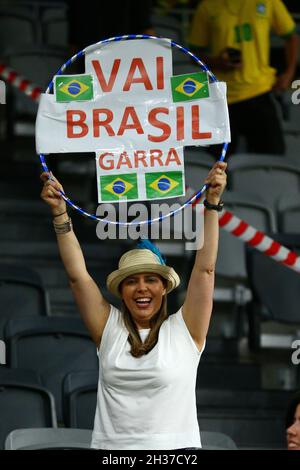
(243, 25)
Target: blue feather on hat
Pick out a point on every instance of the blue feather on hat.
(146, 244)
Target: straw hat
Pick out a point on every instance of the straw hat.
(140, 261)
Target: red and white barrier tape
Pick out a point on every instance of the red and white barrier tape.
(259, 240)
(253, 237)
(24, 85)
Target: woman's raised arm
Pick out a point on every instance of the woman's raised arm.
(93, 308)
(198, 304)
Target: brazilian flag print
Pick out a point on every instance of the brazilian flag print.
(73, 88)
(116, 187)
(167, 184)
(190, 86)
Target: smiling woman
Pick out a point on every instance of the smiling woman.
(146, 394)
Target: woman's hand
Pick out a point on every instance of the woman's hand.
(216, 179)
(51, 195)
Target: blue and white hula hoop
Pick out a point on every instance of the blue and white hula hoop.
(128, 37)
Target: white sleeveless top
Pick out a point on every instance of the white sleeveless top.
(147, 402)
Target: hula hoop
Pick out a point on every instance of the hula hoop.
(90, 48)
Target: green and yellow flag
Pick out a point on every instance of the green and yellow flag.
(167, 184)
(116, 187)
(73, 88)
(190, 86)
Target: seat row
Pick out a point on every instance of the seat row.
(80, 439)
(253, 418)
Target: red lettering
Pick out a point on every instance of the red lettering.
(137, 63)
(159, 124)
(172, 157)
(140, 156)
(196, 134)
(124, 160)
(106, 86)
(130, 113)
(72, 123)
(155, 156)
(160, 73)
(180, 123)
(110, 161)
(97, 123)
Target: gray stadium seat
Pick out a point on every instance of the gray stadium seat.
(23, 402)
(276, 289)
(17, 27)
(266, 176)
(48, 438)
(79, 398)
(22, 292)
(253, 210)
(51, 346)
(231, 276)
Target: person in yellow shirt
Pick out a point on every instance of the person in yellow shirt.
(233, 38)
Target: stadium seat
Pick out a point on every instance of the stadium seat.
(253, 210)
(51, 346)
(48, 439)
(231, 287)
(79, 398)
(275, 287)
(23, 402)
(21, 293)
(267, 176)
(17, 27)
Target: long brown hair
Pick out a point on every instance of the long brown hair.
(138, 348)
